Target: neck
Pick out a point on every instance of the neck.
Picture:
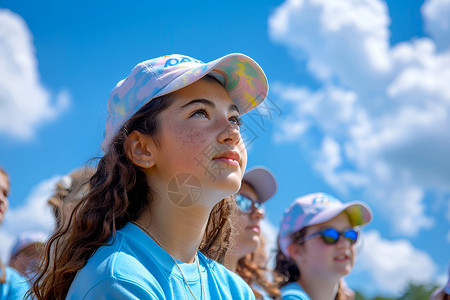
(231, 260)
(182, 238)
(178, 229)
(318, 287)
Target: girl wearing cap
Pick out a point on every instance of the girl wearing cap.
(317, 245)
(12, 284)
(155, 215)
(246, 257)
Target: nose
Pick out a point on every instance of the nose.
(231, 135)
(343, 242)
(256, 213)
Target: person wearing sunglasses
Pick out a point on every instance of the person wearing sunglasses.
(247, 256)
(316, 246)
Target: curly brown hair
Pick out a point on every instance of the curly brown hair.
(114, 199)
(252, 268)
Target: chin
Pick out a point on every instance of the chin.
(230, 182)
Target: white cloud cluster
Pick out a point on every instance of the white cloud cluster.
(34, 215)
(393, 264)
(24, 102)
(382, 113)
(437, 21)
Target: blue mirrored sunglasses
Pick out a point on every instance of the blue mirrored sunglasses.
(331, 236)
(246, 205)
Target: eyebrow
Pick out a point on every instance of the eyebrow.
(209, 103)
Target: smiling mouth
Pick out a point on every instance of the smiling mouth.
(342, 258)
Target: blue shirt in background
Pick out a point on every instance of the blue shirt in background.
(293, 291)
(15, 286)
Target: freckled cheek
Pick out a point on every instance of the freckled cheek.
(193, 139)
(353, 258)
(243, 153)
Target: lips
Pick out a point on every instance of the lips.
(229, 156)
(342, 257)
(254, 228)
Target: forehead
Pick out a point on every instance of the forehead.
(4, 179)
(207, 88)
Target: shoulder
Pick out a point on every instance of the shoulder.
(293, 291)
(15, 286)
(225, 280)
(123, 267)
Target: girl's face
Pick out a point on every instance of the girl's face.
(246, 225)
(317, 258)
(4, 191)
(200, 136)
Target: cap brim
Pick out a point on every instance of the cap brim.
(241, 76)
(358, 213)
(263, 182)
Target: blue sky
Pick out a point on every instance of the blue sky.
(358, 107)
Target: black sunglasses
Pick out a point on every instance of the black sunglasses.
(331, 236)
(246, 205)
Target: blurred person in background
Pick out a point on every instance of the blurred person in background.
(247, 255)
(12, 284)
(316, 245)
(27, 253)
(68, 191)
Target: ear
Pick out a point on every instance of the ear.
(295, 252)
(139, 148)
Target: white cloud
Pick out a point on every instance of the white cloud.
(24, 102)
(332, 35)
(34, 215)
(380, 121)
(437, 21)
(393, 264)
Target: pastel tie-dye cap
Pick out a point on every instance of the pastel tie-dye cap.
(241, 76)
(318, 208)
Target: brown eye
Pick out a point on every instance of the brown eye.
(200, 113)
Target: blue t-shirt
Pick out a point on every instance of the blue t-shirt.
(293, 291)
(15, 286)
(135, 267)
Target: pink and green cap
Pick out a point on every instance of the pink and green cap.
(317, 208)
(241, 76)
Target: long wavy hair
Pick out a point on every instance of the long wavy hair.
(252, 268)
(118, 193)
(286, 270)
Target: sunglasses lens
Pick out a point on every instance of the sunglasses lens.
(244, 204)
(259, 205)
(330, 236)
(351, 236)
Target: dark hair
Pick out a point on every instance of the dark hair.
(114, 199)
(286, 269)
